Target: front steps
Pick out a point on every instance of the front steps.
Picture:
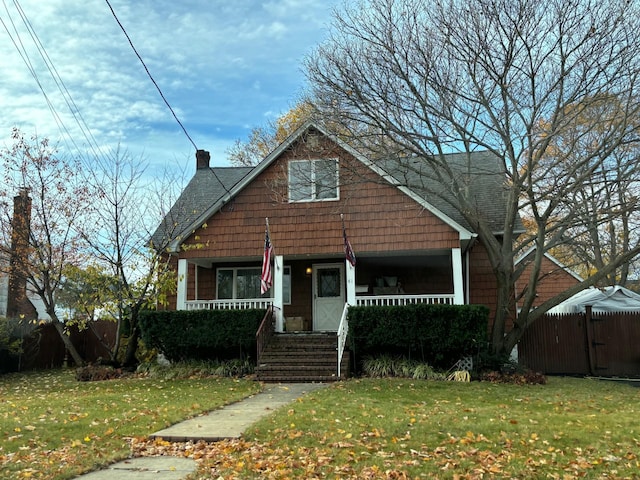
(301, 357)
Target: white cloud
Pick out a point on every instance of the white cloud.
(220, 65)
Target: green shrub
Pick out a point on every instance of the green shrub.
(437, 334)
(389, 366)
(201, 334)
(424, 371)
(10, 346)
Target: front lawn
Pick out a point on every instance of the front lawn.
(54, 427)
(569, 428)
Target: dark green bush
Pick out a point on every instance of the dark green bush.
(10, 346)
(201, 334)
(437, 334)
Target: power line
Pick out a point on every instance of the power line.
(66, 95)
(22, 51)
(160, 91)
(150, 76)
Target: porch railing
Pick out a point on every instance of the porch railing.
(396, 300)
(242, 304)
(265, 331)
(343, 330)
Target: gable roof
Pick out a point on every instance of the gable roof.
(206, 193)
(481, 173)
(207, 187)
(551, 258)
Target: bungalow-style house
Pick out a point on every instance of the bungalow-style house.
(410, 246)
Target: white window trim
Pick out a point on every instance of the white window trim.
(313, 180)
(234, 293)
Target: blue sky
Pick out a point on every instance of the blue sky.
(224, 66)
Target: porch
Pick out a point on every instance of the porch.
(309, 294)
(303, 335)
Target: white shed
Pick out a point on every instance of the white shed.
(602, 299)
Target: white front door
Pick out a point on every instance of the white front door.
(328, 296)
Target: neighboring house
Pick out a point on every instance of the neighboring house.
(553, 278)
(410, 246)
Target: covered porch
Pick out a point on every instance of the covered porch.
(310, 294)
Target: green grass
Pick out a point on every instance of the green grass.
(569, 428)
(54, 427)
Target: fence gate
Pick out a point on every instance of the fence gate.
(601, 344)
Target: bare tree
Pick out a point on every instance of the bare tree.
(54, 201)
(606, 218)
(426, 78)
(126, 210)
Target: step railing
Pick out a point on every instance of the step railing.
(343, 330)
(265, 331)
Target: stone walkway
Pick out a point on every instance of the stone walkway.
(227, 422)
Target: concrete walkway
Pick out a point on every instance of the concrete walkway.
(227, 422)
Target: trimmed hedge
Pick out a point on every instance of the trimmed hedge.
(201, 334)
(437, 334)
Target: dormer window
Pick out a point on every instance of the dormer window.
(313, 180)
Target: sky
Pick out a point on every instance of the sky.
(225, 67)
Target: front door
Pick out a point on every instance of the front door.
(328, 296)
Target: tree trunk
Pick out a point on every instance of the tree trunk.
(130, 359)
(67, 343)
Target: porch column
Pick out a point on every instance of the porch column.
(278, 291)
(351, 283)
(458, 284)
(181, 300)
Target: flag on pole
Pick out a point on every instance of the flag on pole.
(266, 277)
(348, 250)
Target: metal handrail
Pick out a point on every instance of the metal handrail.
(343, 330)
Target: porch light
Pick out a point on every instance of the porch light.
(309, 270)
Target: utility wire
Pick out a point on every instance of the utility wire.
(160, 91)
(73, 107)
(149, 74)
(22, 51)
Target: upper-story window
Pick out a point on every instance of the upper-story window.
(313, 180)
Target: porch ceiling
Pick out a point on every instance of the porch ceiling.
(397, 259)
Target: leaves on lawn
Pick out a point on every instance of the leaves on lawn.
(471, 456)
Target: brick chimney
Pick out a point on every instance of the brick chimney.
(18, 305)
(202, 159)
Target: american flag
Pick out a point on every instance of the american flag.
(266, 277)
(348, 250)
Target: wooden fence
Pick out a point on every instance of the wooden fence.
(44, 348)
(600, 344)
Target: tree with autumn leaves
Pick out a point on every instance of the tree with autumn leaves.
(551, 88)
(84, 245)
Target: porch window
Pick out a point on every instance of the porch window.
(313, 180)
(244, 282)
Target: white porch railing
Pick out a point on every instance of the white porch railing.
(343, 330)
(394, 300)
(245, 303)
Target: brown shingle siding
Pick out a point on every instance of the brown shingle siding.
(378, 217)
